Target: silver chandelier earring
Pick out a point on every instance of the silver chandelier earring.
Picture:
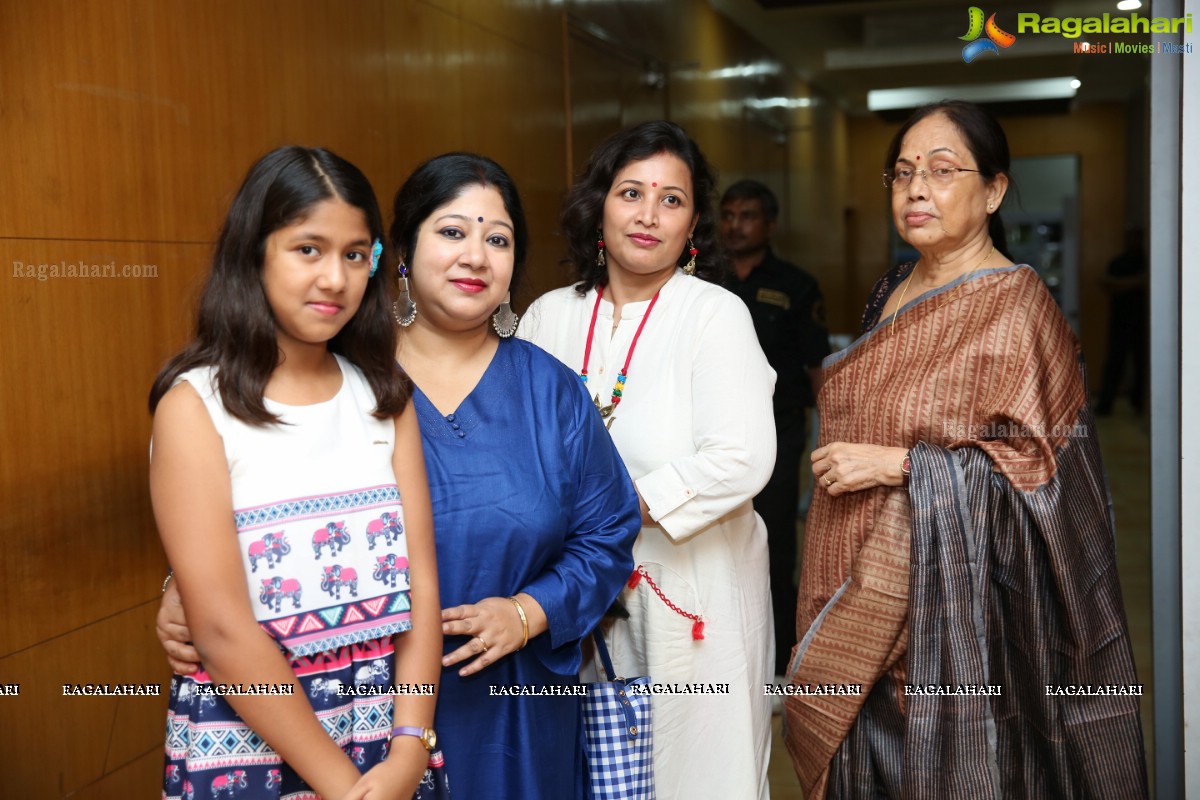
(505, 319)
(404, 309)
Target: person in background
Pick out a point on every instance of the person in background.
(789, 318)
(672, 363)
(1128, 324)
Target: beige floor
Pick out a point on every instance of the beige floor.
(1125, 441)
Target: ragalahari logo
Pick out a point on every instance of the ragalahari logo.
(995, 40)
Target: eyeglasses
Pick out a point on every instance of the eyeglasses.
(898, 179)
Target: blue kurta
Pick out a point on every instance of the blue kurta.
(529, 495)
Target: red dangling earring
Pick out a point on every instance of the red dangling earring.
(601, 259)
(690, 267)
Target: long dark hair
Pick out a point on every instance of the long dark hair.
(235, 328)
(443, 178)
(583, 208)
(986, 141)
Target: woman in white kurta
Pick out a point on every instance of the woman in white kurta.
(692, 420)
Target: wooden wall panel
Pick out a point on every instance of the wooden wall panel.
(449, 6)
(128, 780)
(55, 744)
(607, 93)
(814, 214)
(534, 24)
(253, 76)
(423, 86)
(150, 113)
(520, 123)
(82, 359)
(77, 121)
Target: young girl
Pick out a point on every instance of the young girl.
(284, 444)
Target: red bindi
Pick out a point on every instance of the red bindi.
(654, 184)
(918, 158)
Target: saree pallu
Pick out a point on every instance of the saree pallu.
(963, 608)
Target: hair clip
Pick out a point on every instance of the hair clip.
(376, 252)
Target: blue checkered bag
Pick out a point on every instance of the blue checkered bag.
(618, 735)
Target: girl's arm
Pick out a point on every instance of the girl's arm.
(418, 651)
(193, 506)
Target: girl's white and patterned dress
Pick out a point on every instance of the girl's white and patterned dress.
(321, 532)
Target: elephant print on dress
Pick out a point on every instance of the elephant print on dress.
(274, 778)
(334, 534)
(389, 567)
(374, 673)
(275, 589)
(172, 773)
(188, 792)
(336, 577)
(326, 687)
(273, 547)
(388, 526)
(358, 755)
(229, 784)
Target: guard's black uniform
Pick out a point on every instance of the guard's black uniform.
(789, 318)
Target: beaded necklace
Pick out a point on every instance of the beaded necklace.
(606, 412)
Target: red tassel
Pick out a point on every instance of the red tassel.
(634, 580)
(698, 630)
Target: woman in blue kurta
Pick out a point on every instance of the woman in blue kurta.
(534, 513)
(529, 496)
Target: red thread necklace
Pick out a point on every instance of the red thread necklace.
(606, 412)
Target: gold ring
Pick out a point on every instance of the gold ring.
(482, 642)
(828, 482)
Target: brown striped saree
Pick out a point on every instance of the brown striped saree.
(994, 568)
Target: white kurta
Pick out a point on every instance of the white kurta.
(696, 430)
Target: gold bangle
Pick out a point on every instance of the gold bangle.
(524, 623)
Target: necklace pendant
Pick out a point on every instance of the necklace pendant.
(605, 412)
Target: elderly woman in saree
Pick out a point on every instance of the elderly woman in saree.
(959, 594)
